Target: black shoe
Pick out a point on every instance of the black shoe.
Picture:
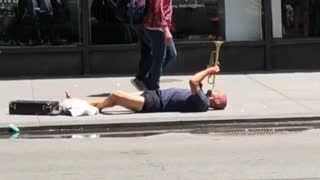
(138, 84)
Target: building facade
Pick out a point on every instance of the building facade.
(80, 37)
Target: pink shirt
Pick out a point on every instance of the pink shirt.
(159, 14)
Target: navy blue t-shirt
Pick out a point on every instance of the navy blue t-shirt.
(182, 100)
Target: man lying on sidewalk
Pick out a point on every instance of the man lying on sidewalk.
(170, 100)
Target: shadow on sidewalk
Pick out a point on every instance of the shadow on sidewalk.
(124, 112)
(99, 95)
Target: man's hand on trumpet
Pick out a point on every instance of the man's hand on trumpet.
(212, 70)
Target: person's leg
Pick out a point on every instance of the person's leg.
(171, 54)
(158, 48)
(120, 98)
(145, 54)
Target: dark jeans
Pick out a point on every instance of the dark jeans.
(162, 54)
(145, 54)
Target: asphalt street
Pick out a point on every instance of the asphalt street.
(289, 155)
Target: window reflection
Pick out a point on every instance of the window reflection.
(193, 19)
(38, 22)
(300, 18)
(109, 22)
(196, 19)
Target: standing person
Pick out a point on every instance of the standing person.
(145, 61)
(157, 25)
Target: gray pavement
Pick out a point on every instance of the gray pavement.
(251, 96)
(287, 156)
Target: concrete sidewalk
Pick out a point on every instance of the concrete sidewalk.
(251, 96)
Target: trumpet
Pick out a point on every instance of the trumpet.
(214, 60)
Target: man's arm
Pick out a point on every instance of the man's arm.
(195, 81)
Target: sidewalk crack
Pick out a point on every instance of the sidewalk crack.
(279, 92)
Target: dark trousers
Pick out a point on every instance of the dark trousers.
(155, 55)
(145, 53)
(162, 54)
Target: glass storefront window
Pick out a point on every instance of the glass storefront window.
(109, 22)
(197, 19)
(39, 22)
(296, 18)
(231, 20)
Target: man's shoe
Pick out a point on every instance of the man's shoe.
(138, 84)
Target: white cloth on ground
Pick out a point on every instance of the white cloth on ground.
(78, 107)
